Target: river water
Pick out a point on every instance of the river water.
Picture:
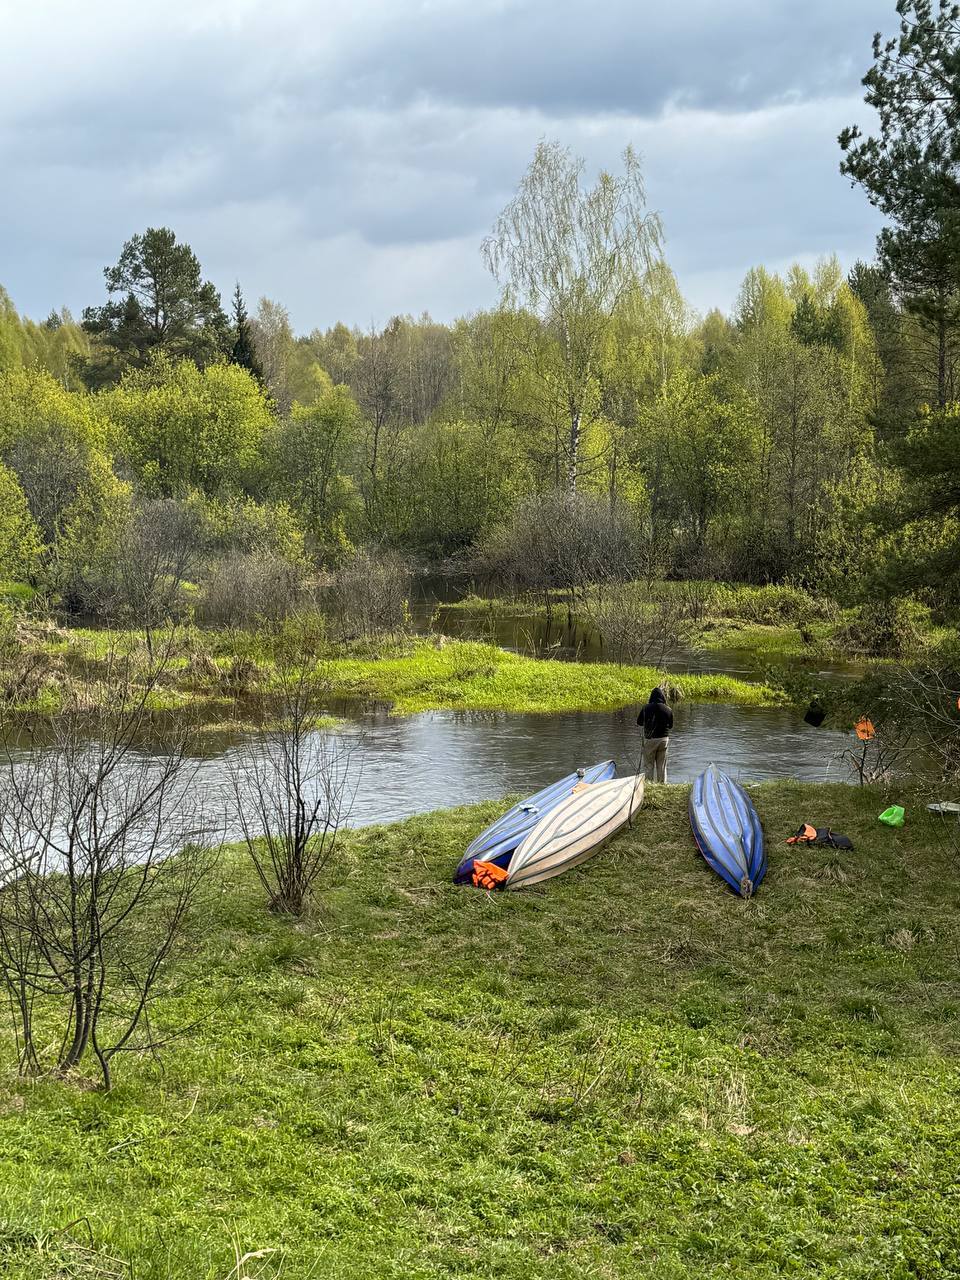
(404, 765)
(396, 766)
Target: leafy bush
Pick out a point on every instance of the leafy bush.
(892, 628)
(54, 443)
(244, 526)
(774, 605)
(19, 535)
(181, 428)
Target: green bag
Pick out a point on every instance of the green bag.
(893, 816)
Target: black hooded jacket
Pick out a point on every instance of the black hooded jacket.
(656, 717)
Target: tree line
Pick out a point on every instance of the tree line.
(807, 435)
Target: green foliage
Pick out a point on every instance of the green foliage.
(569, 256)
(20, 544)
(923, 550)
(57, 345)
(159, 305)
(909, 170)
(770, 605)
(21, 592)
(775, 446)
(248, 527)
(55, 442)
(653, 1080)
(183, 428)
(243, 352)
(894, 627)
(311, 453)
(809, 404)
(701, 451)
(466, 477)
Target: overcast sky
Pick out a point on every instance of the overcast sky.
(346, 159)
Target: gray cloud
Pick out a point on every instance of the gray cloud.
(349, 160)
(616, 56)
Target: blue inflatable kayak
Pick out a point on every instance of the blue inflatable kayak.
(498, 842)
(727, 831)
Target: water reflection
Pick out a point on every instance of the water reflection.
(412, 764)
(560, 637)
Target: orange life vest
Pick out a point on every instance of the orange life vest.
(806, 835)
(821, 835)
(487, 875)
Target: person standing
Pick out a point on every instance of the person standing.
(657, 721)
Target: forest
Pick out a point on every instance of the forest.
(808, 436)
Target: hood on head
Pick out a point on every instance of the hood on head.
(657, 695)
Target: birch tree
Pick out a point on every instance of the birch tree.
(568, 255)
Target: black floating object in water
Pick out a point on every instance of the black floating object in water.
(815, 715)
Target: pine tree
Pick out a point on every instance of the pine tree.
(911, 170)
(158, 303)
(244, 352)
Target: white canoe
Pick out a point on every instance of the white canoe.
(574, 830)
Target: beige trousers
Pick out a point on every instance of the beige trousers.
(655, 758)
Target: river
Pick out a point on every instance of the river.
(404, 765)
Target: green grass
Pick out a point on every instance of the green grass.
(21, 592)
(767, 642)
(626, 1073)
(411, 674)
(825, 640)
(471, 676)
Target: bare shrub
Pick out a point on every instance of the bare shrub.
(201, 668)
(638, 623)
(250, 588)
(99, 864)
(159, 551)
(926, 702)
(139, 576)
(879, 757)
(291, 789)
(370, 597)
(561, 541)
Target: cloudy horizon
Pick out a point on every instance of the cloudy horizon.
(348, 164)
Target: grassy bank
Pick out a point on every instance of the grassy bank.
(627, 1073)
(767, 623)
(479, 677)
(212, 673)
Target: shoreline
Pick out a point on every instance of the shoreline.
(219, 671)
